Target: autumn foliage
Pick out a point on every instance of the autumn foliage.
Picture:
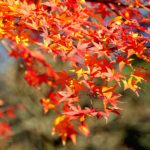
(96, 40)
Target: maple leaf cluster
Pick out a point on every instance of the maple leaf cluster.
(97, 41)
(6, 113)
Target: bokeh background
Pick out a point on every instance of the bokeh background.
(31, 128)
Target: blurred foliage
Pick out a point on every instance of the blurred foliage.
(32, 128)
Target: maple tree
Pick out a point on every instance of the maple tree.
(97, 40)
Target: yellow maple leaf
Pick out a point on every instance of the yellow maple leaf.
(131, 84)
(80, 73)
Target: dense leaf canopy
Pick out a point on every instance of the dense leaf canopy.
(96, 40)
